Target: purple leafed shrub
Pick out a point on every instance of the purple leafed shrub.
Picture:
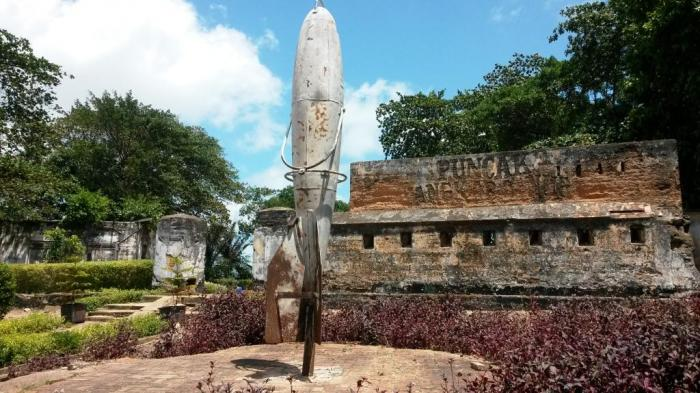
(41, 363)
(650, 346)
(121, 344)
(223, 321)
(647, 346)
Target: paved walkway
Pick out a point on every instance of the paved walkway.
(338, 367)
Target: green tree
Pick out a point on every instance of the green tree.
(639, 62)
(63, 248)
(281, 198)
(341, 206)
(27, 83)
(30, 189)
(632, 72)
(420, 125)
(226, 256)
(86, 207)
(255, 199)
(285, 198)
(520, 102)
(258, 198)
(138, 207)
(125, 150)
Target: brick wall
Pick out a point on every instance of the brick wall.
(641, 171)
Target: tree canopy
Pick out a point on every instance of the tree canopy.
(27, 84)
(138, 155)
(30, 190)
(631, 72)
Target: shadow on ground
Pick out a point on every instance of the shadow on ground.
(262, 369)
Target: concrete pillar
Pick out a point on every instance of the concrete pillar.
(270, 230)
(180, 236)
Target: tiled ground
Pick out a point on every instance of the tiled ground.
(338, 367)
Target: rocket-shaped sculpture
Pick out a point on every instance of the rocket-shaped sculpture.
(293, 286)
(317, 105)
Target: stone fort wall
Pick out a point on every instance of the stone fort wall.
(601, 220)
(495, 254)
(23, 242)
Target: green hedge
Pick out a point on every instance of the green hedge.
(43, 277)
(35, 322)
(7, 289)
(112, 295)
(19, 347)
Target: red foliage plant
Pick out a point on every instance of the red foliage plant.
(40, 363)
(584, 345)
(223, 321)
(121, 344)
(648, 346)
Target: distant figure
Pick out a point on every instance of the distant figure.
(240, 291)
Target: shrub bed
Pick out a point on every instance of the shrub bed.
(650, 345)
(35, 322)
(223, 321)
(49, 277)
(588, 346)
(18, 348)
(7, 289)
(112, 295)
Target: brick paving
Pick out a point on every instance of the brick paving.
(338, 367)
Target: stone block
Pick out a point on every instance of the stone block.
(180, 236)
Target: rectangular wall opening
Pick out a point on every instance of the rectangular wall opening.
(446, 239)
(406, 239)
(637, 234)
(578, 170)
(535, 238)
(368, 241)
(585, 237)
(489, 238)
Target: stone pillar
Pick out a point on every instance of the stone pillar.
(694, 231)
(270, 230)
(180, 236)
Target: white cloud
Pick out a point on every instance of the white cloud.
(266, 132)
(272, 176)
(218, 8)
(268, 40)
(161, 51)
(360, 128)
(502, 13)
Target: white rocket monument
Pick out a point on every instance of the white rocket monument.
(317, 105)
(293, 286)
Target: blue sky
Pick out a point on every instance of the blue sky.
(421, 44)
(226, 64)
